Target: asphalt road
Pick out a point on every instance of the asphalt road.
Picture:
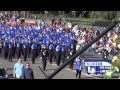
(66, 73)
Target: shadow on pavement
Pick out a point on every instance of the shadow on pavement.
(10, 76)
(49, 69)
(9, 68)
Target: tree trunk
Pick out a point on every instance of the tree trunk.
(23, 14)
(27, 14)
(74, 14)
(14, 13)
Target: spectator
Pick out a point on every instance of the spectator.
(43, 23)
(53, 21)
(18, 68)
(105, 53)
(27, 72)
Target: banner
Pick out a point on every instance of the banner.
(97, 66)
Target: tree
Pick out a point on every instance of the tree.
(73, 13)
(54, 12)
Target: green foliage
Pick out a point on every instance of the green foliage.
(54, 12)
(83, 23)
(116, 63)
(118, 40)
(102, 15)
(108, 75)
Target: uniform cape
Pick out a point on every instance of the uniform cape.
(33, 46)
(51, 46)
(58, 48)
(78, 64)
(63, 48)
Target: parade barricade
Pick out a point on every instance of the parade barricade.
(97, 67)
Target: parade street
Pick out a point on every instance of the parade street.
(64, 74)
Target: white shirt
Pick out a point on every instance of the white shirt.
(77, 47)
